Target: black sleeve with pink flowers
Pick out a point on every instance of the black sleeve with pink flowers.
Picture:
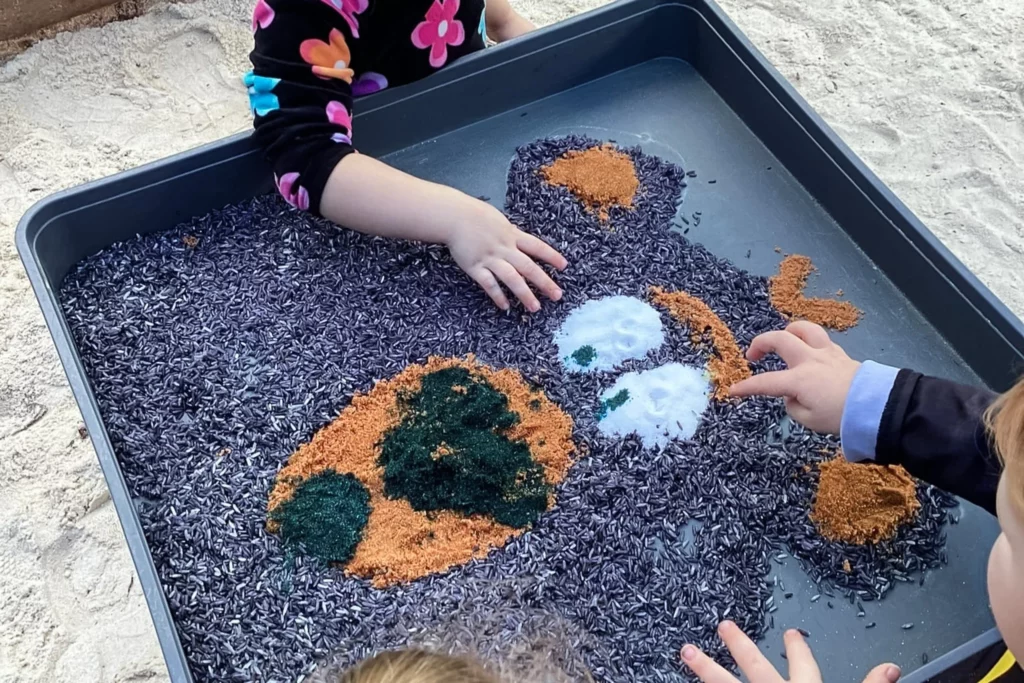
(313, 57)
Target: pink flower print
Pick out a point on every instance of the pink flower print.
(292, 192)
(262, 15)
(340, 116)
(439, 30)
(348, 9)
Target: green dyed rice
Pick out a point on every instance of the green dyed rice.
(325, 517)
(451, 452)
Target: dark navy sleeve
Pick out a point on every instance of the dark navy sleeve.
(935, 429)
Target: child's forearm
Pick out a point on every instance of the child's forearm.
(366, 195)
(369, 196)
(504, 23)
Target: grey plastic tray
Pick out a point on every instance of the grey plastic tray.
(682, 81)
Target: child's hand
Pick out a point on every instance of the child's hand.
(492, 250)
(369, 196)
(757, 669)
(816, 382)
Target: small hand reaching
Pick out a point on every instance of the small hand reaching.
(756, 667)
(816, 381)
(369, 196)
(492, 251)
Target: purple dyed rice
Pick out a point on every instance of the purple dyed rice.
(212, 364)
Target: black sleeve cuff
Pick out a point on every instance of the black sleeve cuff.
(890, 429)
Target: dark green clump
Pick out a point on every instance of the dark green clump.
(451, 452)
(611, 404)
(584, 355)
(325, 517)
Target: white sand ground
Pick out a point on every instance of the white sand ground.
(929, 92)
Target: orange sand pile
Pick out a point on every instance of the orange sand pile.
(601, 177)
(727, 365)
(863, 503)
(400, 544)
(787, 294)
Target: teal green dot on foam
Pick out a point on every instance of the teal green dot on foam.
(614, 402)
(584, 355)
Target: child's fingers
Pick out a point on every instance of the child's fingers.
(815, 335)
(798, 411)
(787, 346)
(535, 274)
(705, 668)
(754, 665)
(504, 271)
(538, 248)
(779, 383)
(802, 666)
(883, 673)
(489, 284)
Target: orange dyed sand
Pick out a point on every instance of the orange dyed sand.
(863, 503)
(727, 365)
(787, 294)
(601, 177)
(400, 544)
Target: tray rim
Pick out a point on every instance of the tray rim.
(201, 158)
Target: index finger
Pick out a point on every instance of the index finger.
(802, 666)
(535, 274)
(538, 248)
(705, 668)
(777, 384)
(754, 665)
(789, 347)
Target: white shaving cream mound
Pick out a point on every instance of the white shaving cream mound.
(601, 334)
(659, 405)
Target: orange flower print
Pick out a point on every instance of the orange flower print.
(329, 60)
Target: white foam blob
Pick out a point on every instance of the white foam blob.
(658, 405)
(601, 334)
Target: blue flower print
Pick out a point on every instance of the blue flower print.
(483, 23)
(262, 100)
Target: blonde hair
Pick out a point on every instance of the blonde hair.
(545, 648)
(1004, 421)
(418, 666)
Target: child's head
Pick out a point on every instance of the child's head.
(417, 666)
(1005, 421)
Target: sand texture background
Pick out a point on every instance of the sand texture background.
(929, 92)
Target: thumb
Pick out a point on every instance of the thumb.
(883, 673)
